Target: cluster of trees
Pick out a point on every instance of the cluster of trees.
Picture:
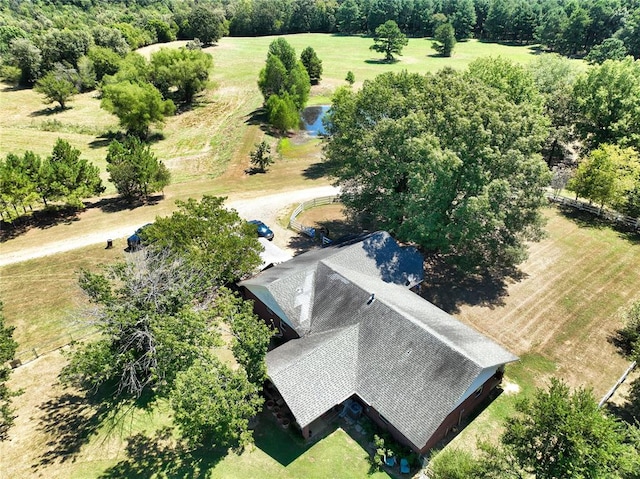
(569, 28)
(62, 176)
(161, 314)
(65, 177)
(607, 106)
(630, 342)
(8, 347)
(142, 92)
(449, 161)
(452, 162)
(557, 433)
(285, 83)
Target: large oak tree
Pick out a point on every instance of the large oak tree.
(444, 161)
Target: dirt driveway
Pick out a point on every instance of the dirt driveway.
(266, 208)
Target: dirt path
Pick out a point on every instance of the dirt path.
(267, 208)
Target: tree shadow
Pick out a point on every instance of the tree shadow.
(105, 140)
(317, 170)
(118, 203)
(301, 244)
(163, 456)
(254, 171)
(584, 219)
(256, 117)
(70, 421)
(42, 219)
(381, 61)
(447, 288)
(284, 445)
(48, 111)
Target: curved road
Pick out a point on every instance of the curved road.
(267, 208)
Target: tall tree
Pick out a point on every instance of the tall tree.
(64, 175)
(64, 46)
(56, 88)
(8, 348)
(134, 169)
(348, 17)
(181, 72)
(445, 40)
(559, 433)
(609, 49)
(157, 311)
(444, 161)
(207, 24)
(554, 77)
(630, 33)
(498, 24)
(136, 105)
(28, 58)
(463, 19)
(388, 39)
(251, 335)
(607, 175)
(285, 85)
(213, 404)
(208, 237)
(607, 99)
(312, 64)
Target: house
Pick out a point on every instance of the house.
(354, 330)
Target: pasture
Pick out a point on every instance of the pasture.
(558, 315)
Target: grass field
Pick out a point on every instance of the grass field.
(558, 316)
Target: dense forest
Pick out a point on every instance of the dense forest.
(568, 27)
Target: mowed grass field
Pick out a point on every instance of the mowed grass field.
(558, 317)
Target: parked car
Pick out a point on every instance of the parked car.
(135, 241)
(263, 230)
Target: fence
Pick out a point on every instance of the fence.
(308, 230)
(610, 215)
(27, 355)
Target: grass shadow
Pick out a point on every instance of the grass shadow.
(448, 289)
(283, 445)
(42, 219)
(163, 456)
(70, 421)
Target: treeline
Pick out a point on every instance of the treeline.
(568, 27)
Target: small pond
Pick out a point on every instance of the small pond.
(312, 119)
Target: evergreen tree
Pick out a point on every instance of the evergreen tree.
(445, 40)
(312, 64)
(135, 170)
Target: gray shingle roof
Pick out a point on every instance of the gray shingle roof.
(363, 332)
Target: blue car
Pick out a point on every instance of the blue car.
(134, 241)
(263, 230)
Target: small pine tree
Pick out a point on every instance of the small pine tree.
(261, 157)
(312, 64)
(350, 78)
(445, 40)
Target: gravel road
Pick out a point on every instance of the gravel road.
(266, 208)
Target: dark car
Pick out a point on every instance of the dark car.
(263, 230)
(135, 241)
